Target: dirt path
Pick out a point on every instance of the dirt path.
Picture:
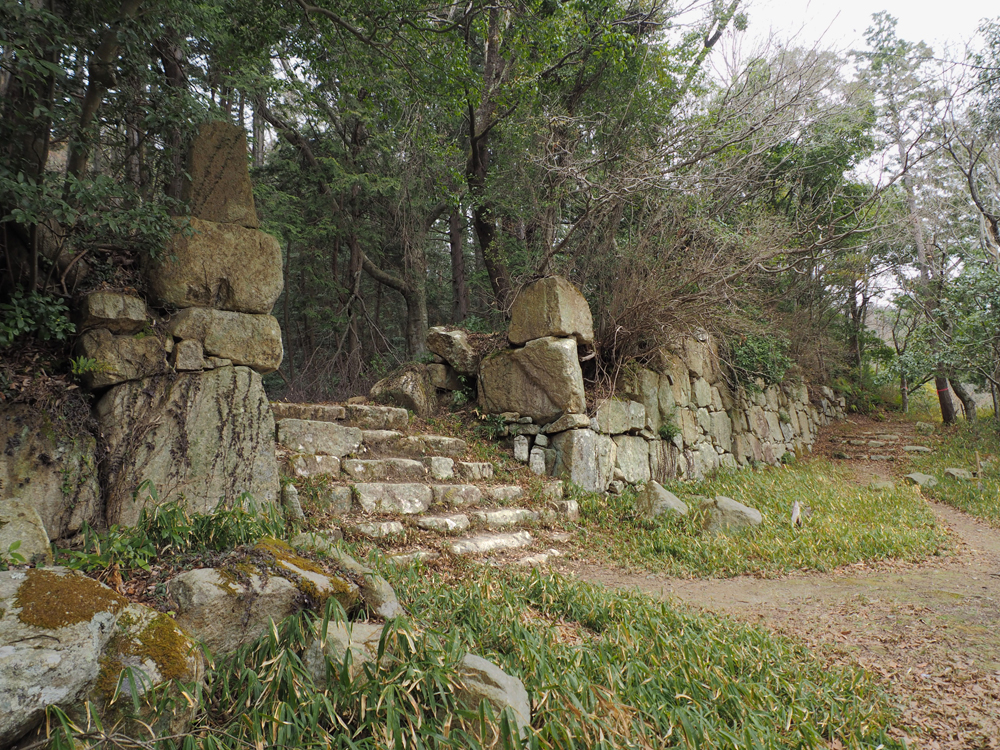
(931, 631)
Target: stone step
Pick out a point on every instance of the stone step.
(309, 412)
(451, 495)
(429, 445)
(542, 558)
(311, 465)
(496, 518)
(379, 438)
(483, 543)
(441, 468)
(502, 493)
(326, 438)
(417, 555)
(382, 469)
(377, 529)
(380, 497)
(377, 417)
(474, 471)
(444, 524)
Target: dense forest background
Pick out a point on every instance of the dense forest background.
(835, 217)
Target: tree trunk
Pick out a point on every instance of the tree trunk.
(459, 290)
(904, 394)
(944, 399)
(967, 399)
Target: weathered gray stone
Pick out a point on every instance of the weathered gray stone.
(550, 307)
(21, 527)
(383, 469)
(454, 347)
(427, 445)
(503, 493)
(721, 430)
(440, 468)
(377, 417)
(632, 458)
(566, 422)
(924, 428)
(217, 187)
(662, 460)
(408, 388)
(444, 377)
(499, 517)
(474, 471)
(655, 500)
(393, 498)
(566, 509)
(120, 358)
(521, 449)
(119, 313)
(208, 437)
(311, 465)
(225, 613)
(478, 545)
(917, 449)
(725, 514)
(359, 639)
(702, 393)
(311, 412)
(456, 494)
(536, 461)
(480, 680)
(54, 626)
(542, 441)
(921, 480)
(378, 596)
(378, 529)
(326, 438)
(585, 459)
(617, 417)
(449, 524)
(542, 380)
(250, 340)
(188, 356)
(960, 474)
(50, 467)
(419, 555)
(223, 266)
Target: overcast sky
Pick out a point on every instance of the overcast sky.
(841, 23)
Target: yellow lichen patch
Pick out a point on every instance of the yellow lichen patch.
(311, 579)
(284, 552)
(166, 646)
(50, 600)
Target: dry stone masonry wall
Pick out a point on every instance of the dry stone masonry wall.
(677, 418)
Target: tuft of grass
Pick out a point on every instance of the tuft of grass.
(848, 524)
(602, 669)
(956, 448)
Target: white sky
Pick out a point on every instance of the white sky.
(841, 24)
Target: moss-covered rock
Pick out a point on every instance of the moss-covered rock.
(54, 625)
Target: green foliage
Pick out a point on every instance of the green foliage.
(81, 365)
(170, 528)
(848, 525)
(669, 429)
(36, 314)
(754, 356)
(11, 556)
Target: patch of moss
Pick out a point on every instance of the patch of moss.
(50, 600)
(284, 552)
(160, 642)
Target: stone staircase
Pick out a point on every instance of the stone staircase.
(416, 495)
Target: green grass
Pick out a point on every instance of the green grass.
(848, 524)
(602, 669)
(955, 447)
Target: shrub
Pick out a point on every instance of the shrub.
(755, 356)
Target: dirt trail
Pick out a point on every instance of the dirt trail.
(931, 630)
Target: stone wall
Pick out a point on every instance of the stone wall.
(676, 418)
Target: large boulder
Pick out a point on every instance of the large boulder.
(481, 680)
(22, 531)
(585, 458)
(654, 500)
(542, 380)
(550, 307)
(54, 625)
(49, 466)
(454, 348)
(119, 313)
(224, 266)
(409, 388)
(359, 639)
(118, 359)
(208, 437)
(250, 340)
(724, 514)
(219, 187)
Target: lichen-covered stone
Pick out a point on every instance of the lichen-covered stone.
(385, 418)
(312, 412)
(50, 467)
(654, 500)
(454, 348)
(409, 388)
(219, 188)
(250, 340)
(585, 459)
(208, 437)
(188, 356)
(632, 457)
(119, 313)
(21, 527)
(443, 377)
(724, 514)
(359, 639)
(120, 358)
(481, 680)
(326, 438)
(224, 266)
(54, 625)
(393, 498)
(550, 307)
(541, 380)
